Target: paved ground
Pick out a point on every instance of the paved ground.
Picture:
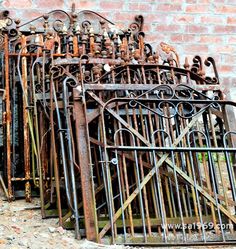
(21, 227)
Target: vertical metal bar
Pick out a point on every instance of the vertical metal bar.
(54, 159)
(159, 189)
(120, 189)
(196, 191)
(229, 166)
(26, 123)
(140, 191)
(70, 158)
(8, 117)
(142, 175)
(82, 147)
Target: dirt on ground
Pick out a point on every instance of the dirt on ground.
(21, 227)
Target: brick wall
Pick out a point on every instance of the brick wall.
(204, 27)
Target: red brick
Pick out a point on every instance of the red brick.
(169, 7)
(22, 4)
(232, 40)
(227, 49)
(204, 1)
(156, 18)
(229, 83)
(83, 4)
(194, 8)
(199, 49)
(224, 29)
(224, 9)
(140, 7)
(231, 20)
(45, 4)
(196, 29)
(225, 68)
(184, 19)
(167, 28)
(191, 1)
(156, 37)
(146, 27)
(228, 59)
(31, 14)
(107, 5)
(212, 19)
(120, 16)
(210, 39)
(182, 38)
(146, 1)
(172, 1)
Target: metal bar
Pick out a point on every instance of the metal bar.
(169, 149)
(8, 118)
(87, 192)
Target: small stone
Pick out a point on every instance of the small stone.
(2, 241)
(5, 206)
(51, 229)
(10, 237)
(14, 219)
(23, 242)
(16, 229)
(60, 230)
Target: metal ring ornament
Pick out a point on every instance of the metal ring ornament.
(133, 103)
(57, 25)
(114, 161)
(161, 109)
(225, 137)
(181, 90)
(57, 72)
(186, 114)
(162, 91)
(161, 131)
(72, 81)
(86, 24)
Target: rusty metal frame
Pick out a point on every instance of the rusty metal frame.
(114, 137)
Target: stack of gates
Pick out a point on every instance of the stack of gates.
(119, 141)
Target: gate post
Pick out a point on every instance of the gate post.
(83, 149)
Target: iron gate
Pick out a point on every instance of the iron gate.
(165, 157)
(117, 139)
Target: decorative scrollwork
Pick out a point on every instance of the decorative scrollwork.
(211, 62)
(137, 25)
(98, 37)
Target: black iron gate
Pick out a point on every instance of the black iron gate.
(165, 156)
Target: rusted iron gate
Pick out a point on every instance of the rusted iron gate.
(116, 138)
